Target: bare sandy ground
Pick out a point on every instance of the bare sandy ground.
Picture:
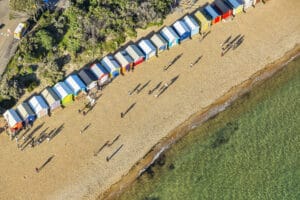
(7, 46)
(75, 173)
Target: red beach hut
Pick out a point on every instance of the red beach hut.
(223, 9)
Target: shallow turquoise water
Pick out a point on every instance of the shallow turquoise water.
(250, 151)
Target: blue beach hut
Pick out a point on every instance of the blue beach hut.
(170, 36)
(75, 84)
(182, 30)
(26, 113)
(192, 25)
(111, 66)
(147, 48)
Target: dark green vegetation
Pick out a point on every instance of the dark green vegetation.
(250, 151)
(86, 30)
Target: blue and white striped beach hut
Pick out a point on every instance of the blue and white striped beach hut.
(192, 25)
(159, 42)
(111, 66)
(182, 30)
(26, 113)
(170, 36)
(75, 84)
(101, 73)
(63, 92)
(147, 48)
(39, 106)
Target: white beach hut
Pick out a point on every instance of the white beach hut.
(192, 25)
(182, 30)
(111, 66)
(159, 42)
(147, 48)
(39, 106)
(170, 36)
(125, 61)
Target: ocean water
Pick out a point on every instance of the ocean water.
(250, 151)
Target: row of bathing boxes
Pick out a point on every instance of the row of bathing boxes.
(109, 67)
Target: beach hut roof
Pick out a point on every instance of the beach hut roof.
(37, 103)
(180, 27)
(201, 17)
(158, 40)
(222, 6)
(75, 83)
(12, 117)
(98, 70)
(110, 63)
(209, 9)
(146, 46)
(62, 90)
(87, 76)
(169, 33)
(123, 58)
(233, 3)
(191, 23)
(24, 110)
(134, 52)
(49, 95)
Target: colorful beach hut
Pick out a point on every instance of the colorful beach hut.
(101, 73)
(89, 78)
(191, 24)
(51, 98)
(39, 106)
(136, 54)
(246, 3)
(147, 48)
(225, 10)
(63, 92)
(170, 36)
(75, 84)
(235, 5)
(111, 66)
(13, 120)
(26, 113)
(182, 30)
(125, 61)
(159, 43)
(203, 21)
(213, 14)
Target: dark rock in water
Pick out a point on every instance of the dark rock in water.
(171, 166)
(151, 198)
(223, 135)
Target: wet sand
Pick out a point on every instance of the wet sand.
(75, 173)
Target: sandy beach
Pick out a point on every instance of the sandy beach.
(270, 30)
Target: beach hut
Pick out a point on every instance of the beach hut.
(182, 30)
(89, 78)
(100, 72)
(14, 121)
(136, 54)
(225, 10)
(246, 3)
(170, 36)
(125, 61)
(111, 66)
(26, 113)
(203, 21)
(75, 84)
(159, 42)
(213, 14)
(192, 25)
(51, 98)
(147, 48)
(39, 106)
(235, 5)
(63, 92)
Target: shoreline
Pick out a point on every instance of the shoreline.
(197, 119)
